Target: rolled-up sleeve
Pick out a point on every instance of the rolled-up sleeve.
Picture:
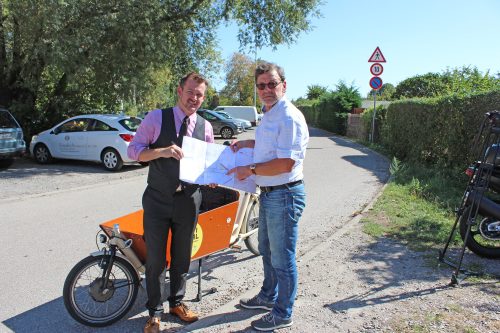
(291, 140)
(144, 136)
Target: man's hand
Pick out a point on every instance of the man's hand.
(172, 151)
(242, 172)
(237, 145)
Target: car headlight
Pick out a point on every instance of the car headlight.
(34, 138)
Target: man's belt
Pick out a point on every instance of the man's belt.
(267, 189)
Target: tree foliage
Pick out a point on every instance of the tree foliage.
(465, 80)
(346, 98)
(315, 91)
(62, 57)
(333, 107)
(239, 89)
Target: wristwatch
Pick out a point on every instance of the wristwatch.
(252, 168)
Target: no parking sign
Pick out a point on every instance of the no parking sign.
(376, 83)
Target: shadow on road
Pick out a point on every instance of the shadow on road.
(370, 160)
(26, 167)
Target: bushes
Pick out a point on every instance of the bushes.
(331, 110)
(310, 113)
(367, 118)
(437, 131)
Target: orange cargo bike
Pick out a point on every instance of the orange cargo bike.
(102, 287)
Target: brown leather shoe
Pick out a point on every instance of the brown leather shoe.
(152, 325)
(184, 313)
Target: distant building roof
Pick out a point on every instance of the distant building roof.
(368, 103)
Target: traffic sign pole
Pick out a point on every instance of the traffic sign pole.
(375, 83)
(374, 114)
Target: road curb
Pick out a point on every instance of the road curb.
(228, 309)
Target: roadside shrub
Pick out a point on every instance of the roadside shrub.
(367, 117)
(436, 131)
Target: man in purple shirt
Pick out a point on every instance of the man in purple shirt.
(168, 203)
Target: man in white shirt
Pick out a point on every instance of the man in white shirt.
(279, 152)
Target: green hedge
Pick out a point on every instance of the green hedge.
(310, 114)
(367, 118)
(437, 131)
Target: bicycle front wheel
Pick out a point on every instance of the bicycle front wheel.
(92, 303)
(252, 242)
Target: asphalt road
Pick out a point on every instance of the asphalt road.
(50, 215)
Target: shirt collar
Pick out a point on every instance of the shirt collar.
(179, 115)
(281, 101)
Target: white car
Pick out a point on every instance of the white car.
(92, 137)
(244, 123)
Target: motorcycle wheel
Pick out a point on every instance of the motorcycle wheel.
(88, 303)
(476, 242)
(252, 242)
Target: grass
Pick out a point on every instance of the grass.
(417, 206)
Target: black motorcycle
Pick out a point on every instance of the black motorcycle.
(481, 209)
(478, 217)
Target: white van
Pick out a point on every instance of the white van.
(243, 112)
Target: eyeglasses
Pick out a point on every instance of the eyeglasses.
(270, 85)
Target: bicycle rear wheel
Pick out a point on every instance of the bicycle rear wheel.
(88, 302)
(252, 242)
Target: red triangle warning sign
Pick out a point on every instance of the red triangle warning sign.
(377, 56)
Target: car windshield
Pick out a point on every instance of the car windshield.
(131, 124)
(225, 115)
(7, 121)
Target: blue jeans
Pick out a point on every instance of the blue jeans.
(279, 214)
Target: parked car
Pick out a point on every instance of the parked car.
(225, 127)
(12, 143)
(245, 123)
(93, 137)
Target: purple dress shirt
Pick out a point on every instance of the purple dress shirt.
(149, 131)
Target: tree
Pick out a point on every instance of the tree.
(315, 91)
(333, 107)
(346, 98)
(427, 85)
(58, 58)
(463, 80)
(239, 89)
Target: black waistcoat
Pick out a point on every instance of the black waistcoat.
(163, 173)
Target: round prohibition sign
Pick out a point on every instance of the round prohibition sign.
(376, 83)
(376, 69)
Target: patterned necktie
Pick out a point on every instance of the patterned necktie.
(183, 130)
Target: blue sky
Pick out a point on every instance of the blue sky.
(415, 37)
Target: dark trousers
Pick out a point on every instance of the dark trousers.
(161, 214)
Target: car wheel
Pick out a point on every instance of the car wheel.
(42, 154)
(5, 163)
(226, 133)
(111, 159)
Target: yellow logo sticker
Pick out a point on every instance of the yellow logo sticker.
(197, 240)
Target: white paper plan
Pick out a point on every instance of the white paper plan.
(206, 163)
